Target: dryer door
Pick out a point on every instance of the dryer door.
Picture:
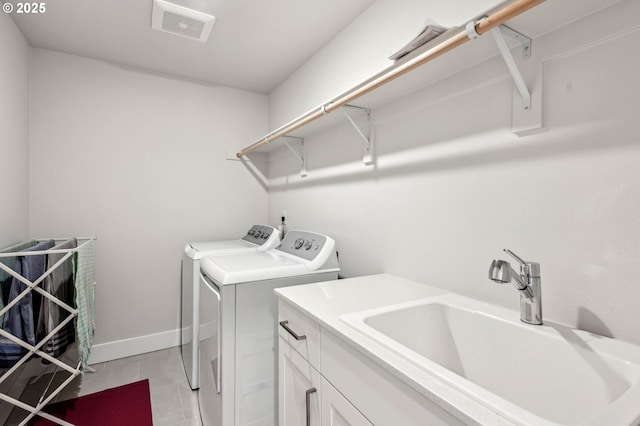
(209, 395)
(189, 318)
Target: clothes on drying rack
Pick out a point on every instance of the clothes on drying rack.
(85, 300)
(33, 317)
(58, 283)
(5, 278)
(20, 319)
(49, 306)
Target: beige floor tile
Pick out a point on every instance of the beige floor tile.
(189, 422)
(161, 370)
(189, 400)
(166, 405)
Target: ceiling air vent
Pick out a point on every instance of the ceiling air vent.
(181, 21)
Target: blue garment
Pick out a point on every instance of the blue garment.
(5, 278)
(19, 320)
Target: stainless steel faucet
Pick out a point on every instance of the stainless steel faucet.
(527, 283)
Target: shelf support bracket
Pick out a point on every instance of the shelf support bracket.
(366, 135)
(497, 33)
(299, 156)
(523, 39)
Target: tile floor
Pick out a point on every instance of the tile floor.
(172, 401)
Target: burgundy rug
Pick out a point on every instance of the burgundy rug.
(127, 405)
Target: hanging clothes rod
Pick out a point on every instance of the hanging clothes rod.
(492, 21)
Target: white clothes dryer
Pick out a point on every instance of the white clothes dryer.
(258, 238)
(238, 333)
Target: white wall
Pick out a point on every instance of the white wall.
(14, 151)
(139, 161)
(14, 133)
(362, 49)
(453, 186)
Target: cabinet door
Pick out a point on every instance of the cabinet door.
(300, 324)
(337, 410)
(299, 389)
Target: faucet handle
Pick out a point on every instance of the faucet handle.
(531, 269)
(515, 256)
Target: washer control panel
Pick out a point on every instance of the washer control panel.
(304, 244)
(259, 234)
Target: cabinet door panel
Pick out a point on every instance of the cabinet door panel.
(337, 411)
(309, 347)
(298, 382)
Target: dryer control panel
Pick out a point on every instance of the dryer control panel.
(304, 244)
(260, 234)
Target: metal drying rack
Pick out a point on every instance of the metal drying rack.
(31, 350)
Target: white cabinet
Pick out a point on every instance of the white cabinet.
(337, 411)
(293, 324)
(304, 396)
(299, 387)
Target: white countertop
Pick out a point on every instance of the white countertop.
(326, 301)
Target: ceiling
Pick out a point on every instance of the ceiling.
(255, 44)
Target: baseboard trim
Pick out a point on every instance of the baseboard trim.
(134, 346)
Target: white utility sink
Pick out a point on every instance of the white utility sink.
(529, 374)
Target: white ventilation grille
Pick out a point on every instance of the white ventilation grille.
(181, 21)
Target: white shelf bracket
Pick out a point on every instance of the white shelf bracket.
(299, 156)
(523, 39)
(366, 135)
(497, 33)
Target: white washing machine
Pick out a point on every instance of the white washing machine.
(258, 238)
(238, 333)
